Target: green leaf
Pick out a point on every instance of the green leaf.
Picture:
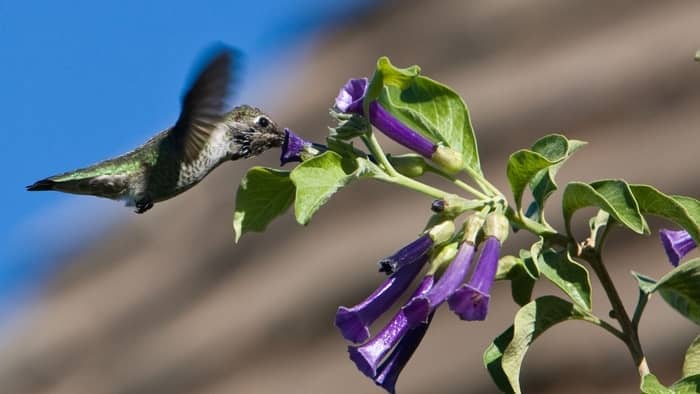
(571, 277)
(504, 357)
(263, 195)
(597, 225)
(556, 148)
(427, 106)
(679, 288)
(523, 165)
(692, 207)
(522, 282)
(651, 201)
(691, 364)
(493, 359)
(646, 284)
(317, 179)
(651, 385)
(687, 385)
(612, 196)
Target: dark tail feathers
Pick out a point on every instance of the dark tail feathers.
(44, 184)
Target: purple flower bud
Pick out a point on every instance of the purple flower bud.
(406, 255)
(394, 364)
(677, 244)
(418, 309)
(292, 147)
(350, 99)
(471, 301)
(354, 322)
(368, 356)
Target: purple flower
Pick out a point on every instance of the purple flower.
(368, 356)
(354, 322)
(391, 368)
(419, 308)
(350, 97)
(295, 148)
(406, 255)
(292, 147)
(350, 100)
(677, 244)
(471, 301)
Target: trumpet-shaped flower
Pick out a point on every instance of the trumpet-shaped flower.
(676, 244)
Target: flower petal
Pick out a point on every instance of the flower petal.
(368, 356)
(469, 303)
(419, 308)
(353, 322)
(399, 132)
(676, 244)
(391, 368)
(292, 147)
(350, 97)
(406, 255)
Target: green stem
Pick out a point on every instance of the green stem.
(631, 337)
(457, 182)
(604, 325)
(373, 145)
(485, 185)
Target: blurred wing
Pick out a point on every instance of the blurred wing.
(204, 104)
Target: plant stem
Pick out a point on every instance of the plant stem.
(373, 145)
(641, 304)
(485, 185)
(458, 182)
(631, 338)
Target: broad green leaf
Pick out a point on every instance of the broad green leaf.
(651, 201)
(427, 106)
(263, 195)
(692, 207)
(556, 148)
(316, 180)
(680, 289)
(691, 364)
(523, 165)
(505, 355)
(493, 358)
(571, 277)
(687, 385)
(522, 282)
(612, 196)
(651, 385)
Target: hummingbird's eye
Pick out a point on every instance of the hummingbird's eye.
(262, 121)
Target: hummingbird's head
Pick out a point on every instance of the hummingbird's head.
(252, 132)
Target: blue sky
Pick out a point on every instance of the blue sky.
(85, 80)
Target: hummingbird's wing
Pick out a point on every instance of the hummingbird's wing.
(204, 104)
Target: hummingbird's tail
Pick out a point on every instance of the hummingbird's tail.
(44, 184)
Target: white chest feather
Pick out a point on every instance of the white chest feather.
(214, 153)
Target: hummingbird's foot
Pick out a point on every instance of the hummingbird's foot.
(143, 205)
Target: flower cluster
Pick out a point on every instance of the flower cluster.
(384, 356)
(676, 244)
(350, 99)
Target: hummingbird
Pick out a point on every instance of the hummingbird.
(204, 136)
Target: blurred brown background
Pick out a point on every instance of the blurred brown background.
(167, 303)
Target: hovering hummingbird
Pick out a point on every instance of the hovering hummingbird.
(177, 158)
